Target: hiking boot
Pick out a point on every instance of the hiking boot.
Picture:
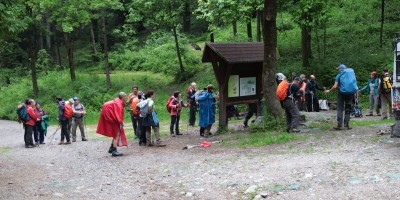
(379, 114)
(68, 142)
(42, 143)
(201, 134)
(36, 144)
(172, 135)
(116, 153)
(111, 149)
(179, 134)
(384, 117)
(337, 128)
(142, 144)
(295, 130)
(347, 127)
(369, 115)
(160, 145)
(29, 146)
(74, 140)
(84, 139)
(208, 136)
(61, 142)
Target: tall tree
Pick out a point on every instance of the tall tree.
(270, 57)
(382, 21)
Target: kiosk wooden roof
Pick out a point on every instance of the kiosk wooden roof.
(241, 59)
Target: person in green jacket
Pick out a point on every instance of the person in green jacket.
(373, 92)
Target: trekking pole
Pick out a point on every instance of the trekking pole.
(52, 137)
(312, 102)
(188, 120)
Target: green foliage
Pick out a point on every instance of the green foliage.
(262, 138)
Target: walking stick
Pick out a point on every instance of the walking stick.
(312, 102)
(52, 137)
(187, 124)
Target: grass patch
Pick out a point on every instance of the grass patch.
(370, 123)
(4, 150)
(258, 139)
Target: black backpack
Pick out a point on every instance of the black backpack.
(22, 113)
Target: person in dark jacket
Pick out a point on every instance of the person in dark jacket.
(38, 130)
(311, 94)
(190, 95)
(291, 110)
(63, 121)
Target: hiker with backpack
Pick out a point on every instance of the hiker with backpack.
(174, 107)
(78, 113)
(190, 96)
(111, 123)
(29, 118)
(38, 130)
(150, 119)
(311, 94)
(346, 83)
(64, 115)
(133, 99)
(288, 93)
(206, 100)
(385, 91)
(372, 88)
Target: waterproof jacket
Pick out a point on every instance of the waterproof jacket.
(31, 114)
(367, 88)
(207, 109)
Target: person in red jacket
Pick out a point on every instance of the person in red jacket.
(29, 103)
(111, 123)
(176, 105)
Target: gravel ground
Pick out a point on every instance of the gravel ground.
(352, 164)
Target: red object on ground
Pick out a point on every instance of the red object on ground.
(111, 119)
(205, 144)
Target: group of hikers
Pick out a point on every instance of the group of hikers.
(35, 121)
(299, 90)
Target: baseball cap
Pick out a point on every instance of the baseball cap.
(341, 66)
(297, 79)
(76, 98)
(71, 100)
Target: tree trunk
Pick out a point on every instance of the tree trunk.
(93, 38)
(106, 64)
(259, 17)
(249, 31)
(318, 46)
(382, 21)
(32, 56)
(178, 52)
(212, 36)
(305, 45)
(269, 65)
(324, 41)
(234, 28)
(186, 17)
(48, 36)
(70, 53)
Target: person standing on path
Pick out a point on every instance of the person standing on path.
(289, 105)
(372, 88)
(206, 101)
(176, 106)
(111, 123)
(190, 95)
(385, 92)
(38, 130)
(79, 112)
(63, 121)
(150, 120)
(29, 125)
(344, 100)
(311, 94)
(133, 100)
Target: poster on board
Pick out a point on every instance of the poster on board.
(247, 86)
(233, 86)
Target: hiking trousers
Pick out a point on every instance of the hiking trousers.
(28, 135)
(312, 101)
(156, 130)
(174, 122)
(64, 130)
(251, 111)
(192, 113)
(75, 123)
(292, 114)
(386, 102)
(135, 121)
(373, 102)
(38, 132)
(344, 103)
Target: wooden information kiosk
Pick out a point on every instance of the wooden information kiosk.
(238, 70)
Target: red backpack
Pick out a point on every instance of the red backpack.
(281, 91)
(67, 111)
(134, 107)
(168, 102)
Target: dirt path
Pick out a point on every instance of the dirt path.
(354, 164)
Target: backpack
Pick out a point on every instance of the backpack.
(22, 113)
(134, 106)
(143, 107)
(348, 82)
(281, 90)
(168, 102)
(387, 84)
(68, 111)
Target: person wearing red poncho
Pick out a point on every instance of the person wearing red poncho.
(111, 123)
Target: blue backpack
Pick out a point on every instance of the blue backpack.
(348, 82)
(22, 113)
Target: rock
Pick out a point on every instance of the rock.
(257, 197)
(189, 194)
(264, 194)
(251, 189)
(58, 194)
(10, 183)
(234, 193)
(108, 183)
